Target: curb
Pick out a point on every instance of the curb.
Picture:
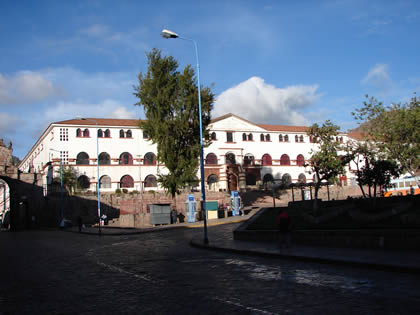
(323, 260)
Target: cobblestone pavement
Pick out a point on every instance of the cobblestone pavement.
(53, 272)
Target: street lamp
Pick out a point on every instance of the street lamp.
(97, 171)
(169, 34)
(61, 190)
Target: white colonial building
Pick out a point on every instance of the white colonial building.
(242, 155)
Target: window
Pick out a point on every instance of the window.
(284, 160)
(128, 134)
(83, 181)
(86, 133)
(64, 134)
(262, 138)
(266, 160)
(122, 134)
(105, 182)
(250, 138)
(104, 159)
(267, 137)
(126, 182)
(230, 158)
(244, 137)
(286, 138)
(213, 136)
(107, 134)
(126, 159)
(211, 159)
(78, 132)
(212, 181)
(64, 156)
(302, 178)
(100, 133)
(249, 159)
(82, 159)
(296, 138)
(149, 159)
(150, 181)
(301, 138)
(286, 179)
(280, 138)
(300, 160)
(268, 181)
(145, 135)
(229, 136)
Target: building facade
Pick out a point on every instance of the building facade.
(242, 155)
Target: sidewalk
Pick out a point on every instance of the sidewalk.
(222, 240)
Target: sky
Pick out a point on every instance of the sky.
(270, 62)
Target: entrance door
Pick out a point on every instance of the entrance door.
(233, 177)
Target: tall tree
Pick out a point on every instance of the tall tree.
(324, 160)
(395, 130)
(170, 102)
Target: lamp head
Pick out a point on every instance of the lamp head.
(168, 34)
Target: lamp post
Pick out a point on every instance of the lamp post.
(169, 34)
(61, 189)
(97, 171)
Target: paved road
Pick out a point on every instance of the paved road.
(53, 272)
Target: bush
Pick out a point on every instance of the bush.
(118, 191)
(125, 190)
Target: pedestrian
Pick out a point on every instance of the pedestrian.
(411, 190)
(79, 223)
(283, 223)
(173, 216)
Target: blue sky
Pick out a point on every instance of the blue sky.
(278, 62)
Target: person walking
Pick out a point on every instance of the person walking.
(283, 223)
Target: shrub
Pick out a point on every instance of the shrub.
(118, 191)
(125, 190)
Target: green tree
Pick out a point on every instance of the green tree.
(324, 161)
(394, 129)
(170, 102)
(69, 178)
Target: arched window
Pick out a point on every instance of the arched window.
(213, 136)
(104, 159)
(122, 133)
(266, 159)
(105, 182)
(268, 181)
(83, 181)
(296, 138)
(78, 132)
(230, 158)
(300, 160)
(128, 134)
(284, 160)
(281, 138)
(211, 159)
(286, 179)
(250, 138)
(251, 179)
(248, 159)
(145, 135)
(212, 181)
(302, 178)
(267, 137)
(82, 159)
(244, 138)
(301, 138)
(107, 133)
(100, 133)
(262, 138)
(126, 181)
(150, 181)
(149, 159)
(286, 138)
(86, 133)
(126, 159)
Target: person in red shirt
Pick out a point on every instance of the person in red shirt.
(283, 223)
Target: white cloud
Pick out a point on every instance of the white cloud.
(260, 102)
(96, 30)
(378, 76)
(25, 87)
(8, 123)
